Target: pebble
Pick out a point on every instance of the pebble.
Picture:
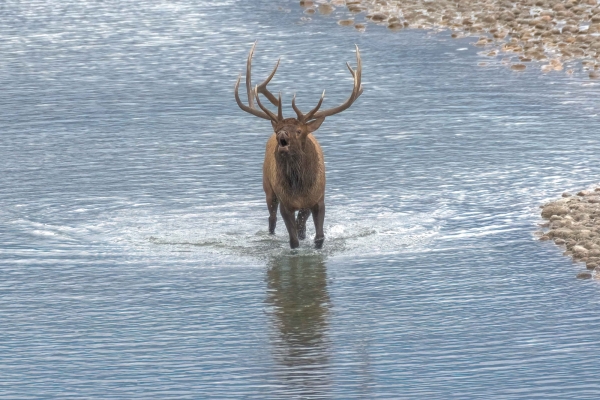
(518, 67)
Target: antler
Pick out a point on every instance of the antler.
(262, 88)
(356, 92)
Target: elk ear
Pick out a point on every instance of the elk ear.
(314, 125)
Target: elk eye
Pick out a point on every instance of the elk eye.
(298, 131)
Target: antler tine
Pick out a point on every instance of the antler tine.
(249, 76)
(312, 112)
(272, 116)
(262, 88)
(253, 92)
(279, 109)
(356, 91)
(244, 107)
(296, 109)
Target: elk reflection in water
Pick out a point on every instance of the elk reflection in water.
(297, 292)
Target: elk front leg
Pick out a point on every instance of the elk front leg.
(272, 204)
(301, 222)
(318, 213)
(290, 224)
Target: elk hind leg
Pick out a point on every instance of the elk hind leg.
(301, 222)
(318, 213)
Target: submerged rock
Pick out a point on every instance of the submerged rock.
(584, 275)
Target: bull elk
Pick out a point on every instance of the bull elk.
(294, 169)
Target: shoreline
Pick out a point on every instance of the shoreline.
(561, 35)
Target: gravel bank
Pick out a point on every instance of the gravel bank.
(574, 222)
(559, 35)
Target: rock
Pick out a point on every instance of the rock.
(594, 252)
(584, 275)
(346, 22)
(325, 9)
(563, 233)
(518, 67)
(551, 210)
(559, 241)
(591, 264)
(379, 17)
(580, 251)
(559, 7)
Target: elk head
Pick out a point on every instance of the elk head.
(292, 132)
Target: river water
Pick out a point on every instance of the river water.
(134, 254)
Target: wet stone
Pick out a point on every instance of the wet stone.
(584, 275)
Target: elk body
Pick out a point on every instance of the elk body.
(294, 168)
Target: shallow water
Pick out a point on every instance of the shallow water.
(134, 252)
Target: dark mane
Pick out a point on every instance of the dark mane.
(297, 172)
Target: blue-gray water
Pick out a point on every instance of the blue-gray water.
(134, 255)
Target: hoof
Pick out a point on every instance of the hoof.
(302, 235)
(272, 225)
(294, 244)
(319, 243)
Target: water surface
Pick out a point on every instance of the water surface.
(134, 252)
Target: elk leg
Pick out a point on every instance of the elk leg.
(301, 222)
(290, 224)
(272, 204)
(318, 213)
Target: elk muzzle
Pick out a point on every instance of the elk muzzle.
(283, 142)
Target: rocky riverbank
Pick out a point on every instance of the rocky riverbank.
(558, 34)
(574, 222)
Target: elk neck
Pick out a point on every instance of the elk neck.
(297, 172)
